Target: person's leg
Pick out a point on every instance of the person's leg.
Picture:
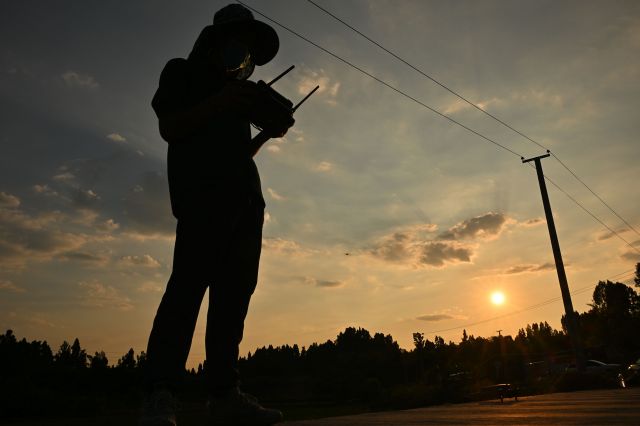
(230, 294)
(229, 297)
(175, 321)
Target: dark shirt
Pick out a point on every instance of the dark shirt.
(212, 168)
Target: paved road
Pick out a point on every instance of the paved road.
(602, 407)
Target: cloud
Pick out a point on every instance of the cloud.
(84, 197)
(116, 137)
(99, 295)
(74, 79)
(396, 247)
(145, 260)
(26, 238)
(632, 256)
(485, 226)
(30, 318)
(414, 246)
(150, 287)
(83, 256)
(296, 134)
(44, 190)
(106, 226)
(324, 283)
(275, 195)
(439, 253)
(8, 201)
(532, 222)
(328, 89)
(64, 177)
(519, 269)
(148, 209)
(608, 234)
(434, 317)
(283, 246)
(11, 287)
(441, 316)
(323, 166)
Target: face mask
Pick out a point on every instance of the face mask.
(236, 59)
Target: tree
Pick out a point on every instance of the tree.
(141, 359)
(418, 341)
(78, 355)
(128, 360)
(637, 277)
(615, 299)
(71, 355)
(98, 361)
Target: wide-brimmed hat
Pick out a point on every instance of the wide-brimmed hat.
(238, 21)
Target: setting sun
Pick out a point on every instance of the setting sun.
(497, 298)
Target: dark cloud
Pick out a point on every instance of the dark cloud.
(85, 198)
(8, 201)
(98, 295)
(609, 234)
(486, 225)
(75, 79)
(285, 247)
(415, 247)
(533, 222)
(11, 287)
(82, 256)
(40, 237)
(393, 249)
(435, 317)
(328, 284)
(632, 256)
(518, 269)
(439, 253)
(147, 207)
(145, 260)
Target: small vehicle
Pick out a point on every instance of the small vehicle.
(503, 390)
(597, 367)
(606, 372)
(632, 375)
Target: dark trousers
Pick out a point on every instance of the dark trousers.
(220, 252)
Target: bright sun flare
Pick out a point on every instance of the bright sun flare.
(497, 298)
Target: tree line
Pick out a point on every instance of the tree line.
(357, 367)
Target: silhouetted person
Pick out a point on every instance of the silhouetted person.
(204, 106)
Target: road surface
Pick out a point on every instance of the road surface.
(601, 407)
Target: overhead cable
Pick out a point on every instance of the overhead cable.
(479, 108)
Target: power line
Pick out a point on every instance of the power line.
(453, 92)
(596, 195)
(384, 83)
(591, 214)
(427, 107)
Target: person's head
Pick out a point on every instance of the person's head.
(235, 43)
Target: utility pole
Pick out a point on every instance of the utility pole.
(499, 331)
(572, 321)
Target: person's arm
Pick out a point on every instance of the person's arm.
(236, 97)
(257, 142)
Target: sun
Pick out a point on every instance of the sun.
(497, 298)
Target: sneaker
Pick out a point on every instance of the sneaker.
(239, 408)
(159, 409)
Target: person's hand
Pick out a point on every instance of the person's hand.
(272, 112)
(279, 126)
(240, 97)
(247, 99)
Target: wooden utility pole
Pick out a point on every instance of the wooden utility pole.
(573, 328)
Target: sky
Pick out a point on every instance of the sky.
(380, 213)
